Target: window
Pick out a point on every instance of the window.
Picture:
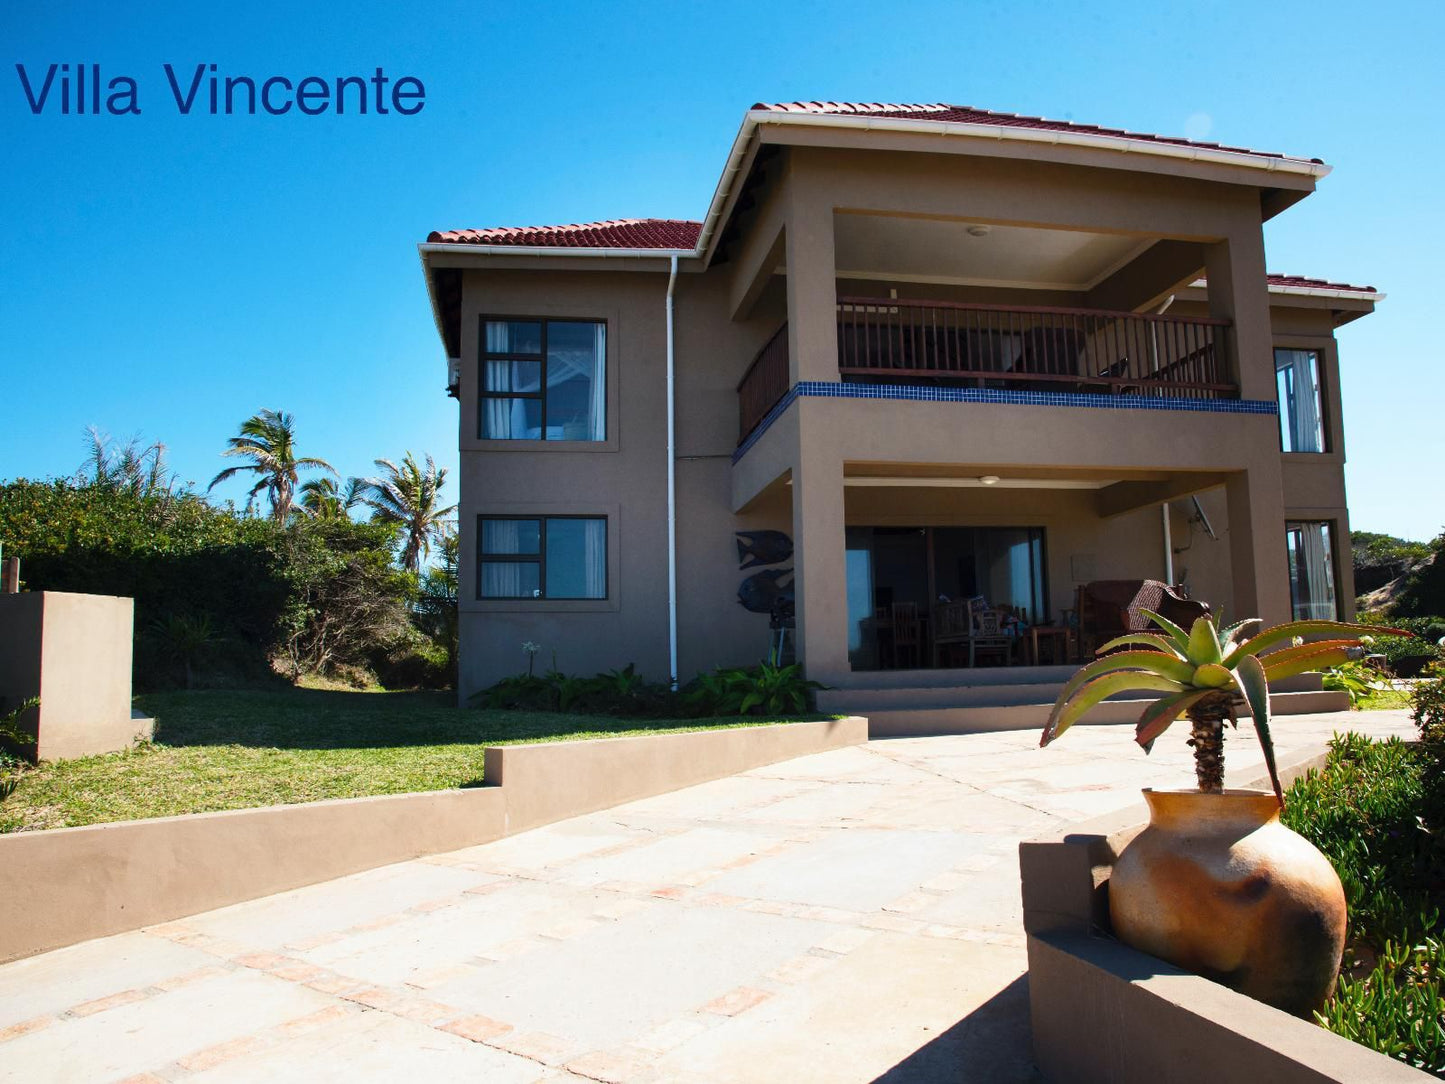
(1301, 411)
(558, 557)
(1311, 571)
(543, 380)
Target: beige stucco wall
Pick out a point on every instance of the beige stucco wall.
(73, 651)
(727, 312)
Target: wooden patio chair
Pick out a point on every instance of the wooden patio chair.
(986, 634)
(1110, 608)
(907, 634)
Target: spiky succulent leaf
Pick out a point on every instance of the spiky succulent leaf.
(1159, 715)
(1156, 662)
(1213, 675)
(1320, 659)
(1179, 635)
(1250, 677)
(1099, 689)
(1203, 642)
(1148, 639)
(1288, 631)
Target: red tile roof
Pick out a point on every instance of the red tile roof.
(661, 233)
(965, 114)
(1318, 284)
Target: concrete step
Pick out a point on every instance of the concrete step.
(975, 719)
(875, 700)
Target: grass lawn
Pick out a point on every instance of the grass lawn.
(227, 749)
(1384, 699)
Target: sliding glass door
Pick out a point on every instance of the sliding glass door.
(893, 569)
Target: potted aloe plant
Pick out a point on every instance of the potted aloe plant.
(1215, 883)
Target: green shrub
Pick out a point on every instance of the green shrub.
(1355, 678)
(764, 689)
(238, 592)
(1373, 811)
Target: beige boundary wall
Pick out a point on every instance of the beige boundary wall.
(72, 884)
(1104, 1012)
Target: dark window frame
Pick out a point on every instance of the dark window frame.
(1327, 445)
(484, 356)
(540, 558)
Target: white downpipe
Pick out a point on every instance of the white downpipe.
(1168, 547)
(671, 490)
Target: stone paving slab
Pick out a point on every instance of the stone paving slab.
(848, 916)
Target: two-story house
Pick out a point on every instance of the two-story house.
(933, 354)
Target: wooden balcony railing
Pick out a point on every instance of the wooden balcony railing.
(948, 344)
(763, 384)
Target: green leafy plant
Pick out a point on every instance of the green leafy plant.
(766, 689)
(1205, 674)
(1357, 679)
(16, 743)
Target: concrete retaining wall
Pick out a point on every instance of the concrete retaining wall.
(1102, 1011)
(72, 884)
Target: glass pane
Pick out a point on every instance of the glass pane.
(511, 579)
(576, 381)
(511, 419)
(1301, 416)
(862, 630)
(576, 558)
(501, 536)
(514, 337)
(512, 376)
(1311, 571)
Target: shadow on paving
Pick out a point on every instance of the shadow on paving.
(992, 1043)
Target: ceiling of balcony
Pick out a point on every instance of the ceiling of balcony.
(931, 250)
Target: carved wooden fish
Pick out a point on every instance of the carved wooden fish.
(761, 591)
(763, 548)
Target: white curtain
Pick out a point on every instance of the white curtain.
(594, 550)
(599, 391)
(502, 579)
(1299, 395)
(1313, 572)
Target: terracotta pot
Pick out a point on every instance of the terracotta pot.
(1217, 885)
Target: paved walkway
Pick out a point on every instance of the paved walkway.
(849, 916)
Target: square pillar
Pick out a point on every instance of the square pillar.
(812, 291)
(820, 565)
(1259, 562)
(1239, 293)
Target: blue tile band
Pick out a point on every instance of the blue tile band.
(830, 390)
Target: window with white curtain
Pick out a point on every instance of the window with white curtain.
(1301, 404)
(543, 380)
(556, 557)
(1311, 571)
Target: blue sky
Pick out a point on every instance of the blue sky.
(168, 275)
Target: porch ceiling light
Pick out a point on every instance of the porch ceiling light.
(979, 230)
(989, 479)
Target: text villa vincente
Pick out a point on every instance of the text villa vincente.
(84, 90)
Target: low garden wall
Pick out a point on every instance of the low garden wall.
(71, 884)
(1102, 1011)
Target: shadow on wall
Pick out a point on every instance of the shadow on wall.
(991, 1043)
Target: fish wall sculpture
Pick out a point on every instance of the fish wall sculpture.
(763, 548)
(762, 591)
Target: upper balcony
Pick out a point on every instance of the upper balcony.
(1064, 351)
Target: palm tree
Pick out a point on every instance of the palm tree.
(408, 497)
(109, 464)
(321, 498)
(269, 440)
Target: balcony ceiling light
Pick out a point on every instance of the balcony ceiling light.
(979, 230)
(989, 479)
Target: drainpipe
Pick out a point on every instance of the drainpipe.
(671, 491)
(1168, 547)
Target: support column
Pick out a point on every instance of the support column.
(812, 289)
(820, 562)
(1259, 564)
(1239, 292)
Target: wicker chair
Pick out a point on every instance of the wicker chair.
(1110, 608)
